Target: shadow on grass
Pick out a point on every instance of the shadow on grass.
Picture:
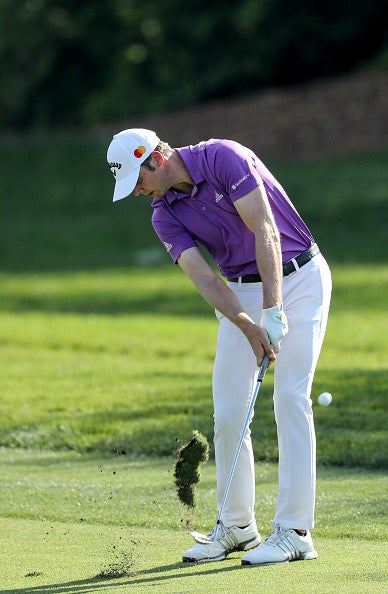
(138, 290)
(161, 303)
(164, 291)
(147, 576)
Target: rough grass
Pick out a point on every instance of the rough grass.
(63, 217)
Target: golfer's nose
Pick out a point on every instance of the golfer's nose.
(137, 190)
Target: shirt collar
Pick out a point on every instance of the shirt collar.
(187, 157)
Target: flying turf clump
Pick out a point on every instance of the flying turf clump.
(186, 474)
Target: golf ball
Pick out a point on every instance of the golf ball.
(325, 399)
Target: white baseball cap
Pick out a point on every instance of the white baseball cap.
(126, 153)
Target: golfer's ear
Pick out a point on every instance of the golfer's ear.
(157, 158)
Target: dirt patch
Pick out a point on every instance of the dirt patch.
(326, 117)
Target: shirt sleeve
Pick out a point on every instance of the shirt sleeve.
(171, 232)
(236, 168)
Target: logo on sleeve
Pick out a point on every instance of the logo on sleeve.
(168, 246)
(240, 181)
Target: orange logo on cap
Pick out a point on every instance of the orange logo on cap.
(139, 152)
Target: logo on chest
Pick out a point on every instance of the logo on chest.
(218, 196)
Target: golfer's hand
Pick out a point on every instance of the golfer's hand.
(274, 322)
(260, 344)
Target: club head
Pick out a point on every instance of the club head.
(201, 538)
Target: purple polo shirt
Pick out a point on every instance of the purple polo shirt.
(224, 171)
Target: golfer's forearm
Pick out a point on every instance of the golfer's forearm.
(213, 288)
(269, 262)
(218, 294)
(255, 211)
(222, 298)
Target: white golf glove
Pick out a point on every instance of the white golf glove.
(274, 321)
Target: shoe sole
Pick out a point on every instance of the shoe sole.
(189, 560)
(310, 556)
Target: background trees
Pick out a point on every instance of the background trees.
(66, 62)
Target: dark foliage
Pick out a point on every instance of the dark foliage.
(68, 63)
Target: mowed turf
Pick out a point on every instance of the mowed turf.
(119, 389)
(87, 523)
(139, 378)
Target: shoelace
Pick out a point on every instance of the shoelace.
(224, 536)
(228, 540)
(220, 529)
(279, 538)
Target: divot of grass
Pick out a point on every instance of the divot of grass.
(187, 473)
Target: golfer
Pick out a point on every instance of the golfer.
(274, 299)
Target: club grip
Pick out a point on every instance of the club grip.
(263, 368)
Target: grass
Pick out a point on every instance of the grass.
(63, 217)
(345, 203)
(110, 523)
(84, 550)
(106, 358)
(139, 378)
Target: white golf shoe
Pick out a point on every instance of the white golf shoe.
(227, 540)
(282, 546)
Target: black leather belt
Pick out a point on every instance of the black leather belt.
(288, 267)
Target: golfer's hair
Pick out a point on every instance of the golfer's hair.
(163, 148)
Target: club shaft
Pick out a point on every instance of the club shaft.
(260, 377)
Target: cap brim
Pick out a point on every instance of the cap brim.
(125, 186)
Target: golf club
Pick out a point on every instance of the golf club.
(206, 539)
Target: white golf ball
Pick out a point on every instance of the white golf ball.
(325, 399)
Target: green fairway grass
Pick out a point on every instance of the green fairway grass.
(139, 378)
(69, 519)
(106, 359)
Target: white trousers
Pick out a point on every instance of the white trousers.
(306, 299)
